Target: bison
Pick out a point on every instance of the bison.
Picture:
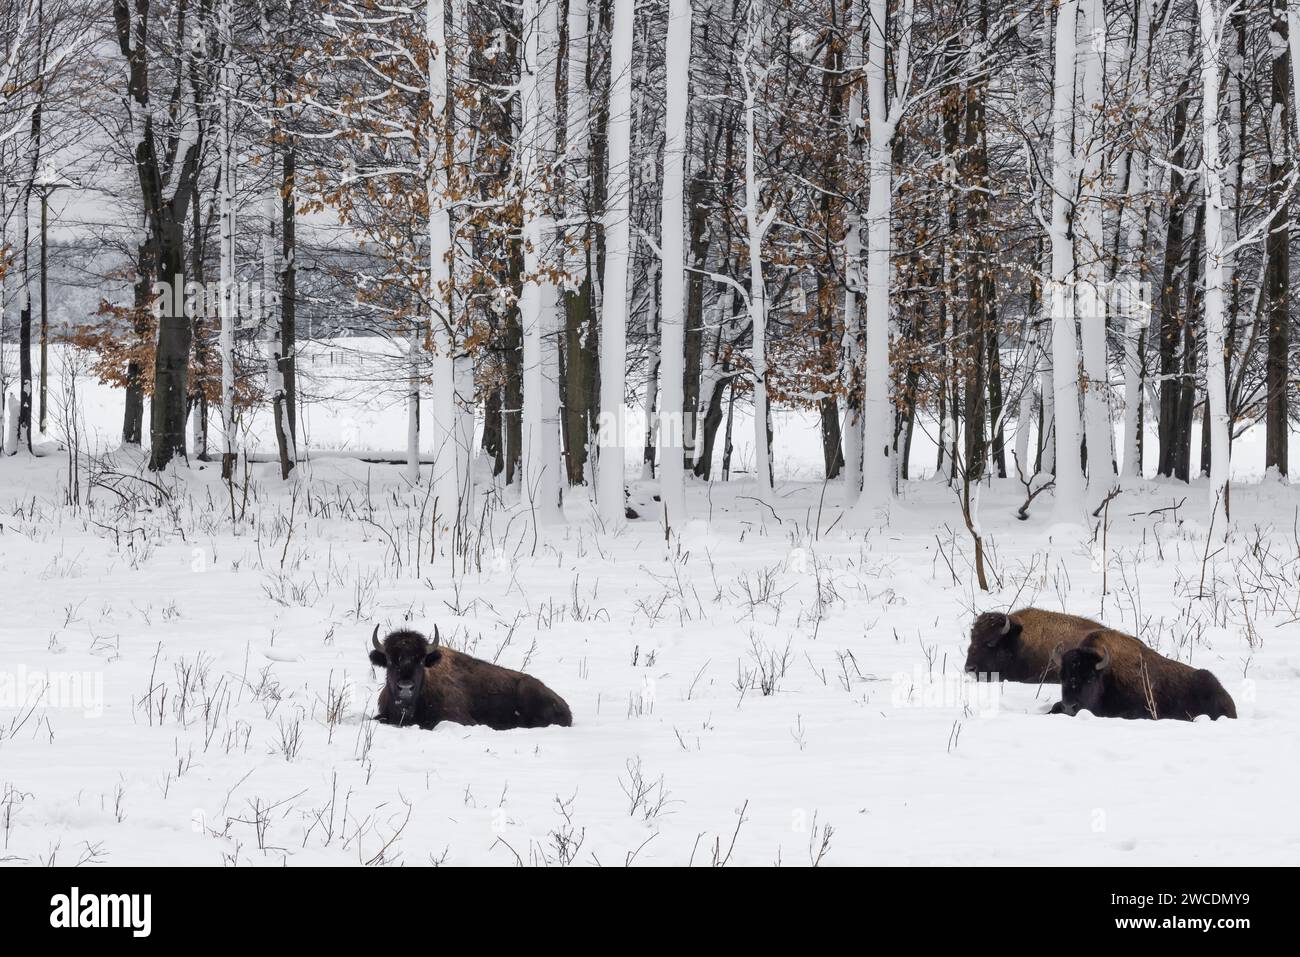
(1018, 646)
(1115, 676)
(425, 684)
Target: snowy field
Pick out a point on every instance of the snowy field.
(764, 687)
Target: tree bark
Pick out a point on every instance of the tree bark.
(1171, 316)
(610, 499)
(1277, 252)
(1065, 341)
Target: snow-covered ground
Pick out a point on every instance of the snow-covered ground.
(762, 687)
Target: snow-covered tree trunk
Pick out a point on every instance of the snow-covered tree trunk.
(1134, 285)
(227, 269)
(1091, 298)
(1065, 342)
(757, 223)
(270, 329)
(577, 140)
(447, 452)
(613, 320)
(460, 147)
(1233, 159)
(1212, 184)
(551, 20)
(1138, 303)
(414, 349)
(1024, 418)
(672, 323)
(878, 473)
(650, 400)
(538, 306)
(877, 484)
(463, 380)
(1293, 41)
(852, 430)
(272, 300)
(1047, 429)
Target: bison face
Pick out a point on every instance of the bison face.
(1083, 679)
(404, 655)
(994, 643)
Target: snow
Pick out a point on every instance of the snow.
(662, 649)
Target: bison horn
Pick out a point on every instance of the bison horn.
(1056, 656)
(374, 639)
(1105, 659)
(1006, 624)
(437, 639)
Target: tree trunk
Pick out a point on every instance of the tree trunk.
(133, 416)
(289, 286)
(171, 365)
(1171, 317)
(1133, 227)
(540, 302)
(699, 250)
(514, 373)
(672, 275)
(610, 499)
(25, 312)
(1191, 349)
(1065, 342)
(1216, 411)
(979, 277)
(451, 455)
(579, 367)
(851, 348)
(166, 216)
(756, 223)
(1090, 228)
(1277, 252)
(226, 174)
(877, 464)
(491, 442)
(996, 401)
(579, 317)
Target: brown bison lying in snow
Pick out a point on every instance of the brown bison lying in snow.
(1115, 676)
(425, 684)
(1019, 646)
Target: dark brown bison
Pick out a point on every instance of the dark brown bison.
(1115, 676)
(1018, 646)
(425, 684)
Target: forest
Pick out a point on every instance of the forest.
(965, 218)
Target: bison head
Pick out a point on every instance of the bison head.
(404, 655)
(1084, 671)
(994, 641)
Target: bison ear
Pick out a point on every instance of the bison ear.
(433, 657)
(378, 659)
